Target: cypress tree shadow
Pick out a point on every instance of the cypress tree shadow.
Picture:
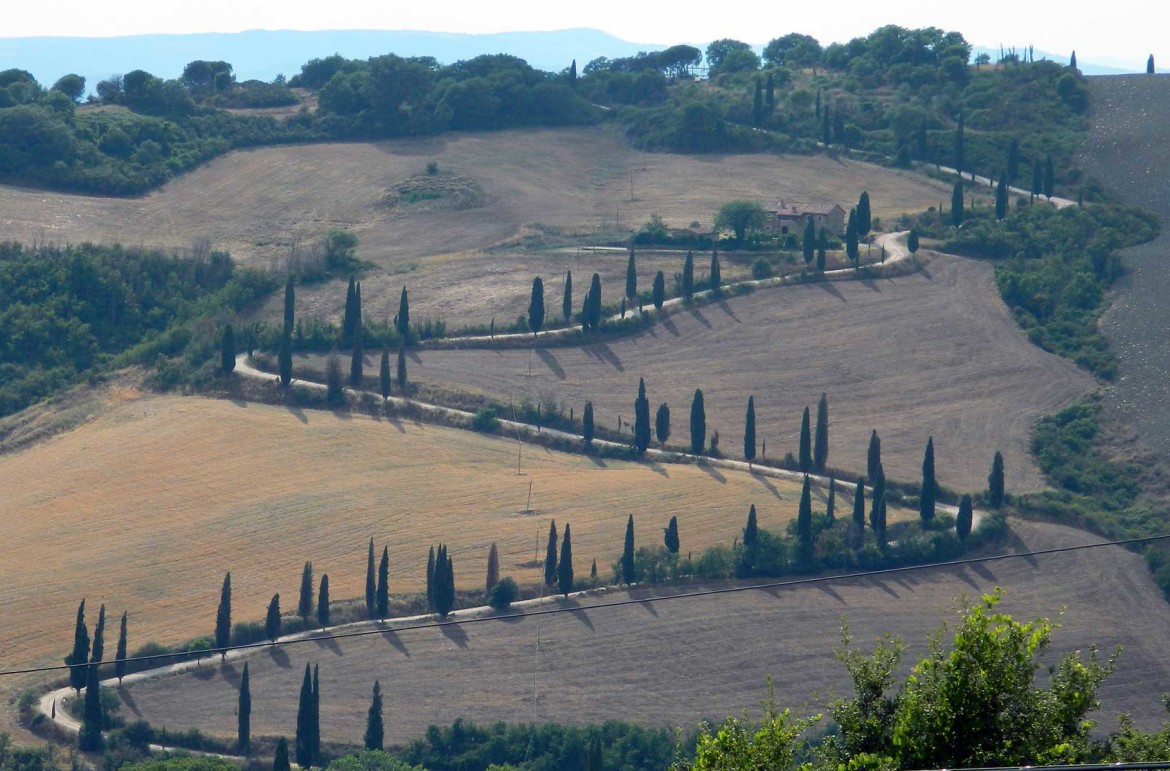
(392, 637)
(128, 700)
(551, 362)
(699, 317)
(713, 472)
(455, 634)
(279, 657)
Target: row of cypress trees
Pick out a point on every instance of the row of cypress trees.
(84, 663)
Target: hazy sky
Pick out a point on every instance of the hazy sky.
(1118, 31)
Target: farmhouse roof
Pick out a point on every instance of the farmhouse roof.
(800, 209)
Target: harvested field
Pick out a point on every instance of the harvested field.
(145, 507)
(673, 663)
(934, 353)
(257, 203)
(1127, 151)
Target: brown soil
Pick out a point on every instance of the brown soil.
(674, 663)
(930, 354)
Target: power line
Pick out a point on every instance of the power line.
(439, 624)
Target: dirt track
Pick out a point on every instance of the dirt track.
(673, 663)
(934, 353)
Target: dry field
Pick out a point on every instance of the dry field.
(673, 663)
(932, 353)
(256, 203)
(145, 507)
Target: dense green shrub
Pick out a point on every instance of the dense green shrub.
(504, 593)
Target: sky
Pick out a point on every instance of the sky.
(1119, 32)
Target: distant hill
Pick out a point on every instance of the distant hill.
(263, 54)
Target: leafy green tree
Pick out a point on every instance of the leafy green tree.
(912, 241)
(401, 373)
(810, 241)
(305, 603)
(1013, 161)
(851, 246)
(244, 714)
(565, 565)
(957, 204)
(587, 425)
(751, 531)
(670, 536)
(280, 759)
(120, 652)
(631, 277)
(821, 442)
(805, 457)
(374, 730)
(567, 300)
(357, 356)
(323, 601)
(227, 350)
(536, 307)
(384, 374)
(290, 295)
(804, 534)
(371, 585)
(794, 50)
(864, 215)
(662, 425)
(773, 743)
(272, 619)
(304, 744)
(859, 505)
(739, 217)
(89, 738)
(927, 496)
(1001, 197)
(382, 595)
(80, 654)
(964, 518)
(402, 320)
(698, 424)
(72, 86)
(628, 553)
(688, 277)
(99, 637)
(716, 275)
(995, 485)
(873, 456)
(493, 569)
(719, 50)
(658, 293)
(223, 616)
(550, 555)
(749, 431)
(285, 357)
(641, 419)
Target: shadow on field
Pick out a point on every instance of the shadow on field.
(598, 461)
(230, 674)
(823, 587)
(279, 657)
(390, 636)
(606, 354)
(297, 412)
(657, 468)
(329, 644)
(830, 287)
(668, 325)
(551, 362)
(767, 483)
(723, 306)
(393, 420)
(699, 317)
(455, 634)
(579, 613)
(128, 700)
(713, 472)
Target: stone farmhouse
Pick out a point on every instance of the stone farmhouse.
(790, 217)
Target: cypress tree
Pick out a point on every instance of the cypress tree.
(875, 506)
(586, 304)
(371, 585)
(89, 738)
(959, 146)
(698, 423)
(659, 291)
(285, 357)
(859, 505)
(1013, 161)
(821, 442)
(1150, 65)
(99, 637)
(80, 654)
(957, 204)
(1049, 177)
(272, 619)
(749, 431)
(384, 374)
(826, 134)
(444, 582)
(565, 565)
(662, 425)
(641, 419)
(926, 498)
(818, 108)
(595, 760)
(864, 215)
(631, 277)
(304, 751)
(716, 275)
(688, 277)
(963, 520)
(334, 388)
(347, 319)
(770, 94)
(431, 579)
(804, 534)
(323, 601)
(536, 307)
(402, 369)
(382, 600)
(995, 482)
(550, 555)
(223, 616)
(809, 244)
(595, 302)
(912, 241)
(805, 457)
(920, 141)
(227, 352)
(873, 457)
(822, 248)
(402, 321)
(628, 553)
(315, 724)
(751, 531)
(1037, 178)
(573, 74)
(305, 604)
(493, 569)
(670, 536)
(120, 653)
(244, 714)
(758, 104)
(1001, 197)
(1072, 61)
(280, 759)
(593, 570)
(587, 425)
(851, 250)
(374, 731)
(357, 357)
(289, 302)
(567, 300)
(831, 503)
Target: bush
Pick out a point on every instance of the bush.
(485, 420)
(761, 268)
(504, 594)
